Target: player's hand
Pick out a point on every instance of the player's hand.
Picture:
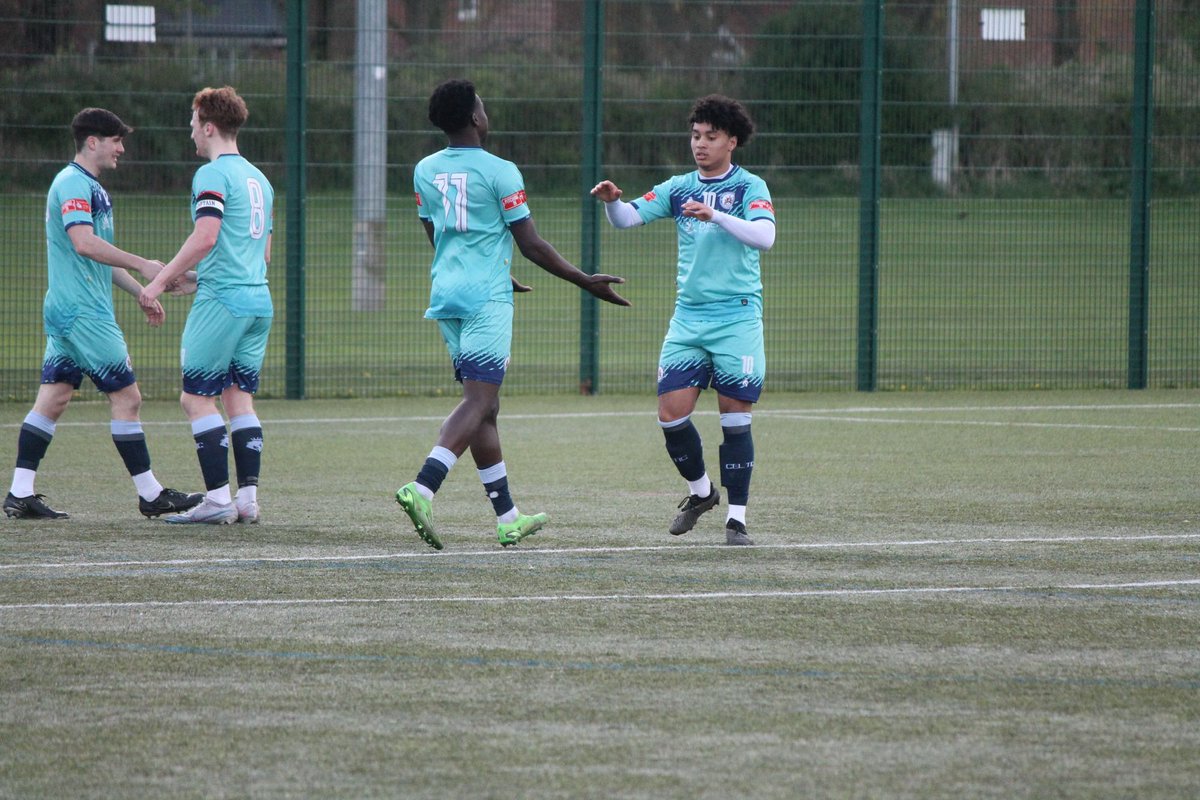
(155, 315)
(607, 191)
(148, 297)
(601, 286)
(698, 210)
(519, 287)
(184, 284)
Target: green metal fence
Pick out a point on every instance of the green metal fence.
(969, 194)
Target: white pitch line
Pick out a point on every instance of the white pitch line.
(816, 413)
(665, 548)
(593, 598)
(991, 424)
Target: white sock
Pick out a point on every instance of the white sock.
(22, 482)
(509, 516)
(147, 485)
(738, 513)
(424, 491)
(221, 496)
(701, 487)
(247, 494)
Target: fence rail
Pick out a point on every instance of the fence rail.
(983, 195)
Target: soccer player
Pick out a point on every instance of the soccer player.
(82, 335)
(473, 207)
(725, 219)
(225, 337)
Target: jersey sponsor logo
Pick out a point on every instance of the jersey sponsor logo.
(762, 204)
(515, 199)
(418, 196)
(649, 197)
(76, 204)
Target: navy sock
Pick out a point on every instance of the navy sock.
(495, 485)
(32, 443)
(685, 448)
(212, 448)
(247, 439)
(130, 440)
(737, 463)
(432, 473)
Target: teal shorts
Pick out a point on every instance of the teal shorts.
(94, 347)
(220, 350)
(726, 354)
(480, 346)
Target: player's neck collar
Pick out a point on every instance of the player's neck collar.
(83, 169)
(721, 177)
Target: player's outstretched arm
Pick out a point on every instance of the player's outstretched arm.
(620, 214)
(202, 239)
(89, 245)
(542, 253)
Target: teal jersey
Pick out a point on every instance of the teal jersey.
(718, 276)
(77, 286)
(471, 197)
(234, 272)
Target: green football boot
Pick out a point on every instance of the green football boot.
(420, 511)
(524, 525)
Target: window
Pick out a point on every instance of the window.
(1002, 24)
(129, 23)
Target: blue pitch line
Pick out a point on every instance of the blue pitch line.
(1187, 684)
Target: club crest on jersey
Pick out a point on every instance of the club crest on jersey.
(726, 200)
(765, 204)
(515, 199)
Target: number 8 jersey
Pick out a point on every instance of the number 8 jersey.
(471, 197)
(234, 272)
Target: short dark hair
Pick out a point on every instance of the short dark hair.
(222, 107)
(97, 122)
(724, 114)
(452, 104)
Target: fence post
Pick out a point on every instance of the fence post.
(593, 105)
(295, 156)
(868, 196)
(1140, 179)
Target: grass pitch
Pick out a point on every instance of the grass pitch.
(953, 595)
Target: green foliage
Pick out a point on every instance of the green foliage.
(806, 72)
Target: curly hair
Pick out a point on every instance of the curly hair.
(452, 104)
(724, 114)
(222, 107)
